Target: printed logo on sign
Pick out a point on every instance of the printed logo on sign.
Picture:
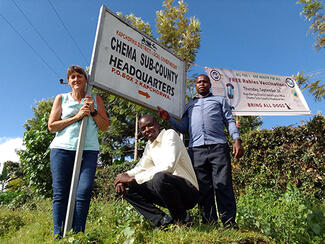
(290, 82)
(295, 93)
(149, 44)
(215, 75)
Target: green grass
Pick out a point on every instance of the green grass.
(29, 224)
(111, 222)
(263, 216)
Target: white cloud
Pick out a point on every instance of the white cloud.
(8, 148)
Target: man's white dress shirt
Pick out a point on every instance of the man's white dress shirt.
(166, 153)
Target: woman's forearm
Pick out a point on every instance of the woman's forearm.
(102, 123)
(59, 125)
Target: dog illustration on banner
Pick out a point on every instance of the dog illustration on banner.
(221, 89)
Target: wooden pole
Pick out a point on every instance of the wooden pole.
(136, 137)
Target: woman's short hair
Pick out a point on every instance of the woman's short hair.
(78, 69)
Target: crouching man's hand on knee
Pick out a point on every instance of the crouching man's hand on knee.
(121, 182)
(121, 188)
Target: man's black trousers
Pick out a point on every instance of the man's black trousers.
(166, 190)
(213, 171)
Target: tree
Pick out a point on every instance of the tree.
(248, 123)
(137, 22)
(35, 159)
(312, 11)
(314, 87)
(177, 32)
(4, 177)
(42, 107)
(11, 172)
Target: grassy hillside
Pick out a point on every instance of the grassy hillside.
(264, 216)
(111, 222)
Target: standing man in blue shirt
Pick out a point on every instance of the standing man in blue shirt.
(204, 119)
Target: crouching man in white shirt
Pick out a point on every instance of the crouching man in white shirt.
(163, 176)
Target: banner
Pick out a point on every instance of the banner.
(134, 66)
(251, 93)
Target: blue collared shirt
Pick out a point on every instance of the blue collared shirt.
(204, 119)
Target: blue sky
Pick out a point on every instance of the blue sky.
(251, 35)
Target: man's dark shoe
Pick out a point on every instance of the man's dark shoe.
(231, 225)
(164, 222)
(210, 222)
(187, 220)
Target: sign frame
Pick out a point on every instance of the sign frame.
(175, 108)
(258, 94)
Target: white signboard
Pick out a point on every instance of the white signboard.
(251, 93)
(132, 65)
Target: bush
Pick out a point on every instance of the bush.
(16, 184)
(104, 181)
(281, 156)
(16, 199)
(36, 158)
(286, 217)
(7, 197)
(10, 222)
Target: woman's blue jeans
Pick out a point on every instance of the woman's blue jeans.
(62, 162)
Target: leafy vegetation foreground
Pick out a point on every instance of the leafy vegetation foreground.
(264, 216)
(110, 222)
